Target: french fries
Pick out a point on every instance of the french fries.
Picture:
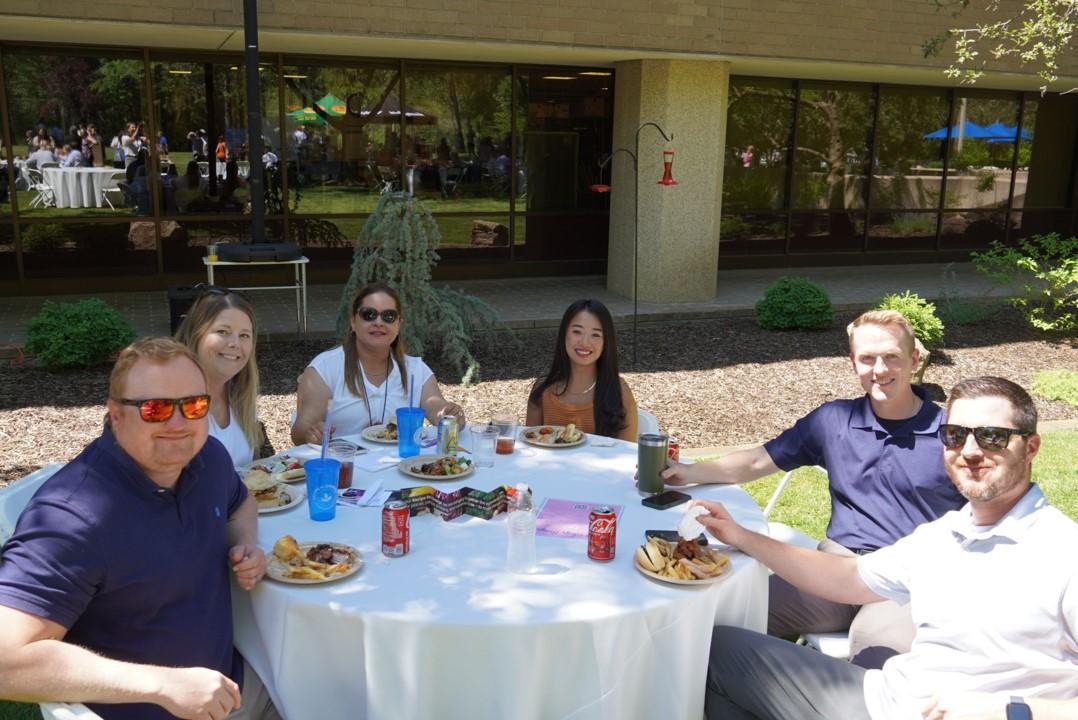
(658, 556)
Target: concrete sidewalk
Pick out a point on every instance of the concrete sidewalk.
(524, 303)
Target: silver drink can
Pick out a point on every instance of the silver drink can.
(448, 435)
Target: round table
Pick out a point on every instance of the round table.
(447, 631)
(77, 187)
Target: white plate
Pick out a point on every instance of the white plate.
(276, 569)
(410, 466)
(270, 463)
(369, 435)
(678, 581)
(295, 496)
(556, 429)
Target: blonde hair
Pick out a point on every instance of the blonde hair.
(348, 342)
(242, 389)
(159, 350)
(884, 318)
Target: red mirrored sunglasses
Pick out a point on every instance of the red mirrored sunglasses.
(157, 410)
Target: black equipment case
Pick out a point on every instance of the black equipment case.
(258, 252)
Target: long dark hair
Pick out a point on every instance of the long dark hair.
(607, 401)
(348, 342)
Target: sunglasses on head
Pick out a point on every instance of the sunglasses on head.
(989, 438)
(157, 410)
(368, 314)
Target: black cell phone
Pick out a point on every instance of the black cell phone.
(672, 536)
(664, 500)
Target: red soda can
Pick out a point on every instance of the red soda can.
(673, 450)
(395, 533)
(602, 533)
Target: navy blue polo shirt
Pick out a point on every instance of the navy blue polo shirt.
(883, 483)
(133, 571)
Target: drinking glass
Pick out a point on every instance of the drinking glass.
(322, 476)
(507, 433)
(650, 461)
(343, 452)
(484, 438)
(409, 421)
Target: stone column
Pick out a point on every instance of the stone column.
(679, 225)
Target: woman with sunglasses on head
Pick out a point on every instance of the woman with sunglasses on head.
(220, 329)
(583, 386)
(363, 381)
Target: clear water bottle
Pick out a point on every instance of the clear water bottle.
(520, 525)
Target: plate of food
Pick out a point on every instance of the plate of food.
(552, 436)
(271, 495)
(312, 563)
(436, 467)
(282, 468)
(682, 563)
(383, 434)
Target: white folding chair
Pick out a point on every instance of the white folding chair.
(67, 711)
(833, 644)
(45, 196)
(646, 422)
(113, 186)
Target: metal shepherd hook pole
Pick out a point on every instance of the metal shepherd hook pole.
(254, 121)
(666, 180)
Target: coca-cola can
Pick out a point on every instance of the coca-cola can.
(602, 533)
(673, 450)
(395, 534)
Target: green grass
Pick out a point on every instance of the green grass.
(18, 711)
(1057, 385)
(805, 505)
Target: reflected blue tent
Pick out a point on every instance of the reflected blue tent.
(1006, 133)
(970, 130)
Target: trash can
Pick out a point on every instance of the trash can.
(180, 299)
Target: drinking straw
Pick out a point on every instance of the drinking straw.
(411, 392)
(325, 434)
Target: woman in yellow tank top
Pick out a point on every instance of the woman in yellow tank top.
(583, 386)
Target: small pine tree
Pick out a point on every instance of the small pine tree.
(397, 246)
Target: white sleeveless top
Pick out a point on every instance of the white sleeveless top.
(348, 413)
(233, 439)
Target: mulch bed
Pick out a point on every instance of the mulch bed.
(710, 382)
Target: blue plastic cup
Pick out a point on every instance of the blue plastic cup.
(322, 487)
(409, 421)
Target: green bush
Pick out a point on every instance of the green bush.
(794, 303)
(1057, 385)
(80, 334)
(43, 238)
(922, 316)
(1045, 270)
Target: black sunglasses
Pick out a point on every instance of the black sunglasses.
(368, 314)
(989, 438)
(155, 410)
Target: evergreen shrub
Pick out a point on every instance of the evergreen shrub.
(80, 334)
(927, 326)
(794, 303)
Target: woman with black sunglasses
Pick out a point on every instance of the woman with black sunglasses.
(363, 381)
(583, 386)
(220, 329)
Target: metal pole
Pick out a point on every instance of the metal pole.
(254, 121)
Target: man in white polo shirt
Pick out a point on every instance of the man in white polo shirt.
(993, 590)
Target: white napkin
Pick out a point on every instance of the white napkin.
(689, 528)
(601, 441)
(373, 461)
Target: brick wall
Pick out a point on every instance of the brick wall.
(870, 31)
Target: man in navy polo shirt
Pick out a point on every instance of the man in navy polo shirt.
(883, 460)
(114, 589)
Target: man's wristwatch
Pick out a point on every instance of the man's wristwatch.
(1018, 710)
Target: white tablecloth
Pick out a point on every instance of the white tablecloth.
(78, 187)
(446, 632)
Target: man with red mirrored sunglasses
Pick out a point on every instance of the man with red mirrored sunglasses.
(993, 588)
(114, 588)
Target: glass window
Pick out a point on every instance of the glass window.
(481, 236)
(6, 194)
(565, 126)
(65, 112)
(752, 234)
(8, 265)
(457, 138)
(325, 239)
(1045, 151)
(908, 167)
(816, 232)
(1041, 222)
(907, 231)
(972, 230)
(981, 150)
(183, 242)
(76, 249)
(342, 135)
(759, 123)
(833, 127)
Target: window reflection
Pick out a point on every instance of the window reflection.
(76, 249)
(757, 143)
(457, 140)
(342, 135)
(75, 119)
(981, 150)
(908, 167)
(8, 265)
(972, 230)
(834, 123)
